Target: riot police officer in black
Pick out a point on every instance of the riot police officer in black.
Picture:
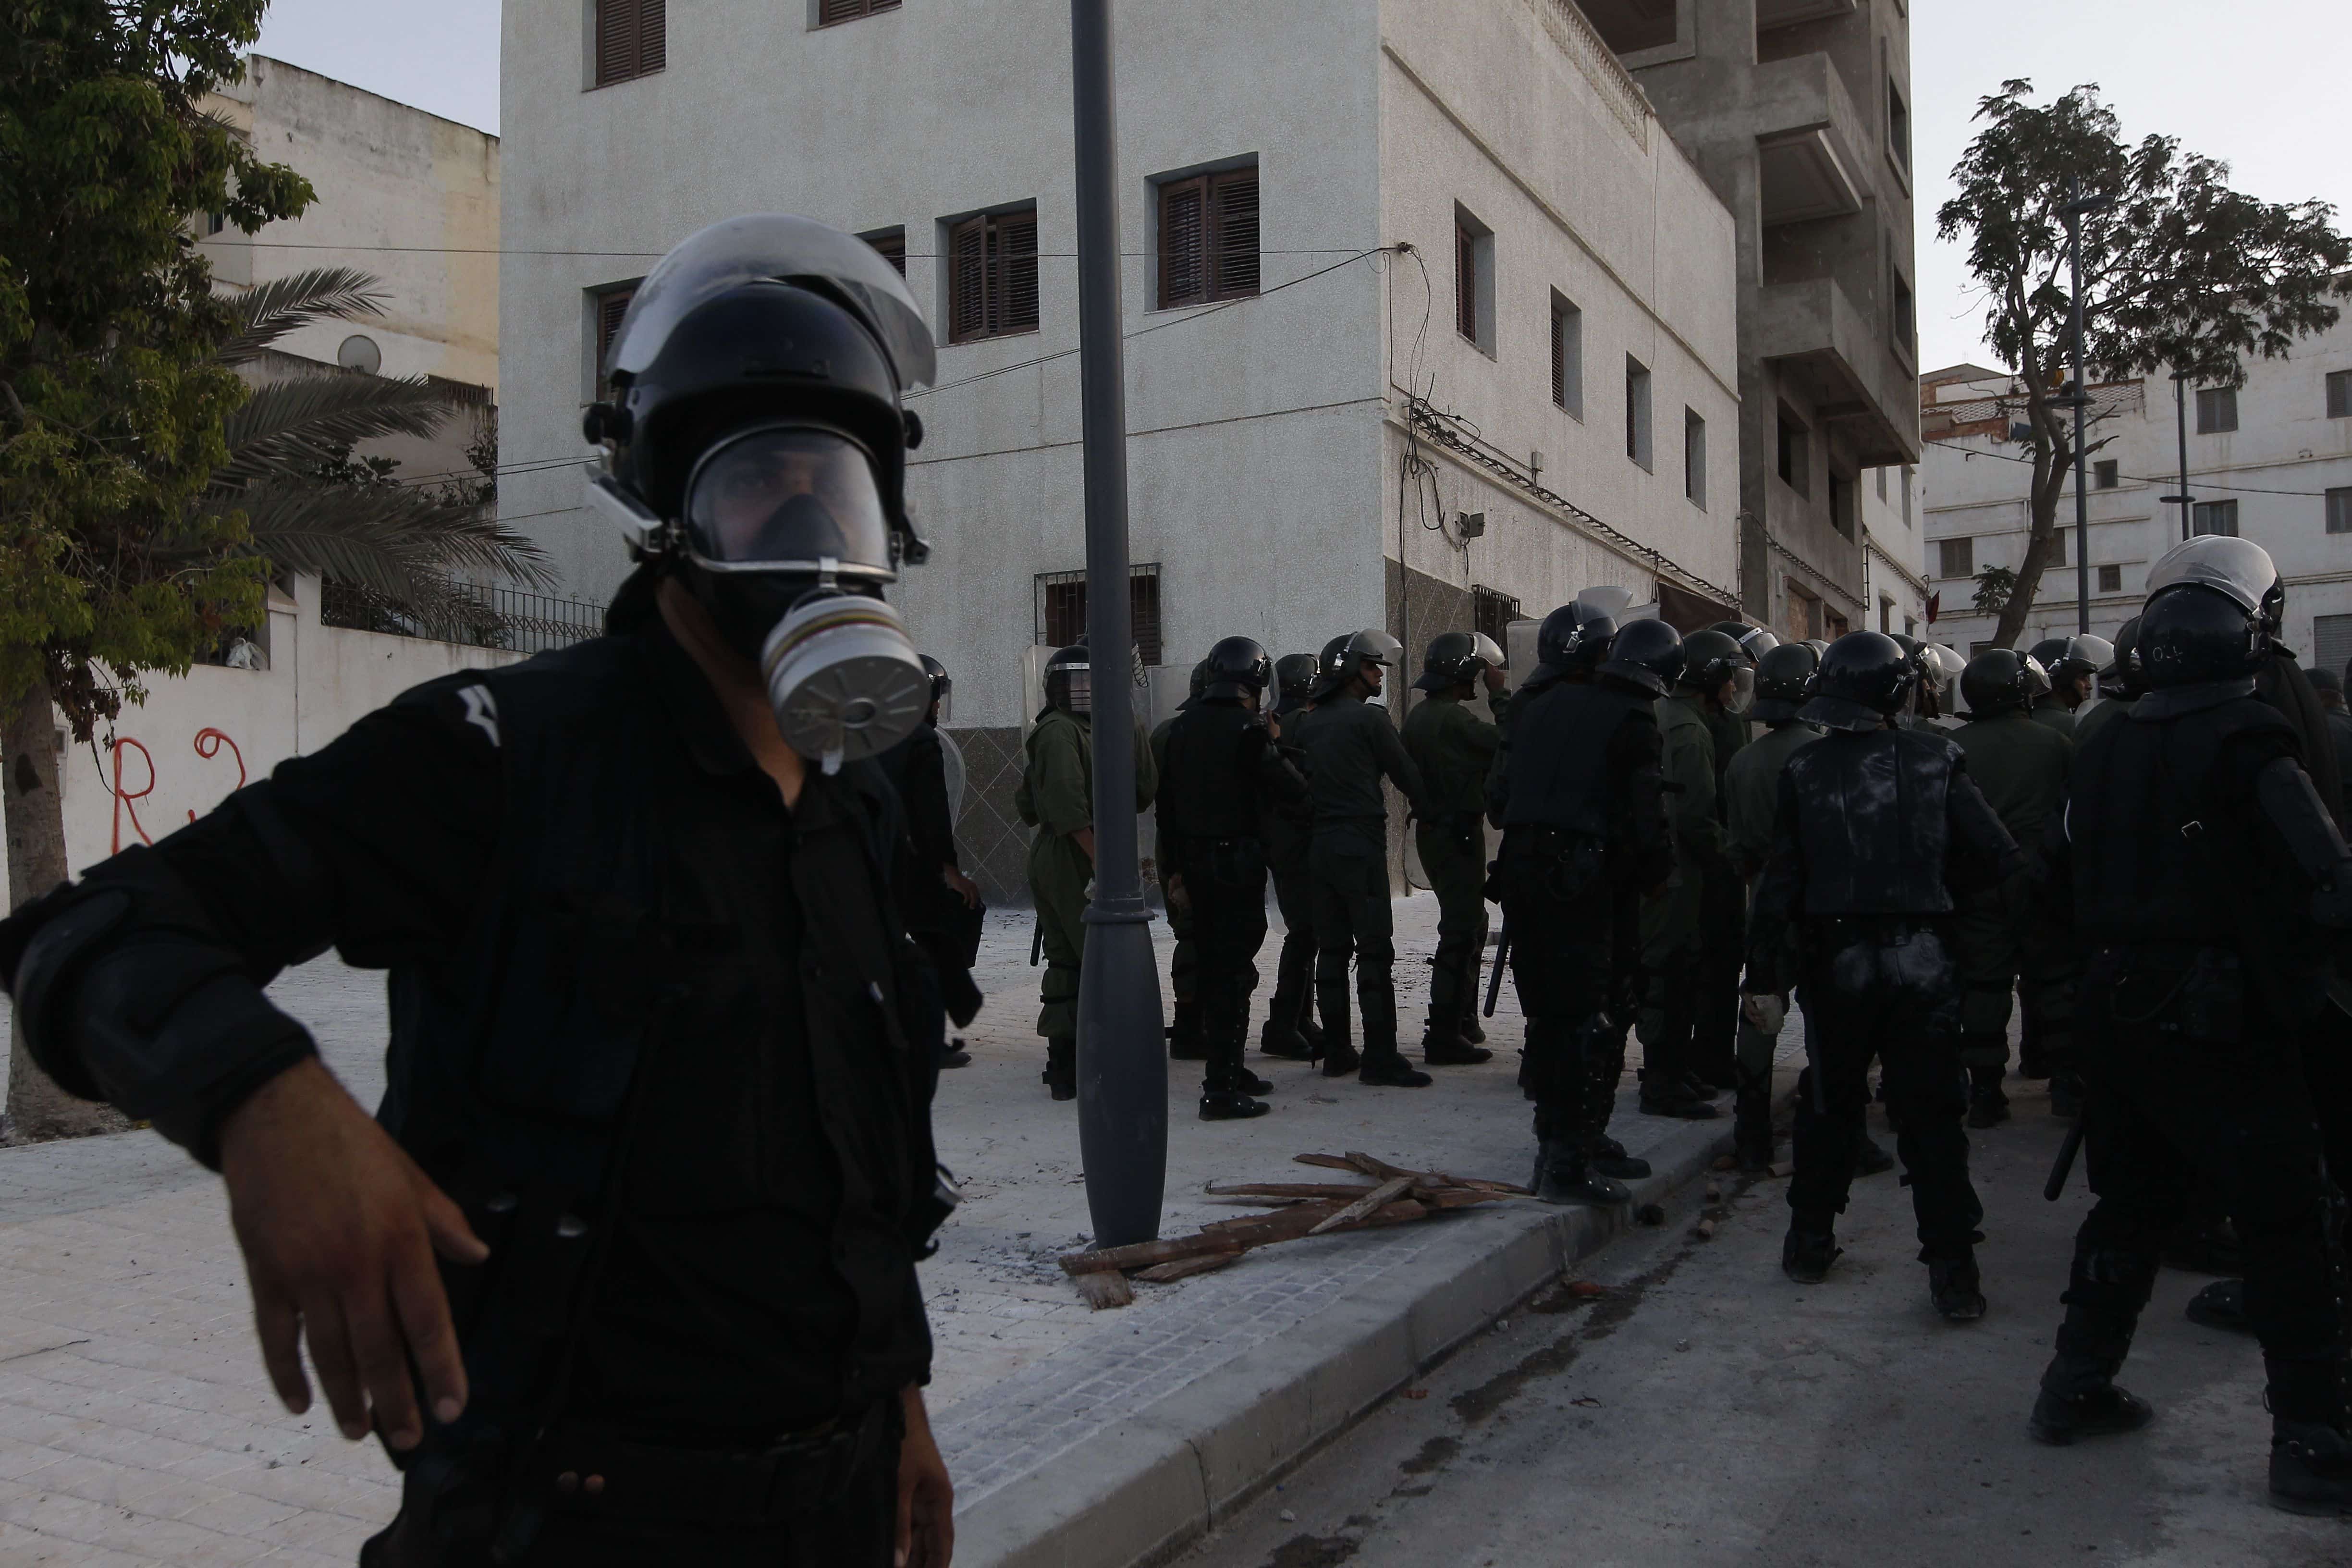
(2207, 882)
(658, 1091)
(1223, 773)
(1576, 793)
(1877, 828)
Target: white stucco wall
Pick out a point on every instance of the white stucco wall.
(2278, 465)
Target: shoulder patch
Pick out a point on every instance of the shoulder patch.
(481, 710)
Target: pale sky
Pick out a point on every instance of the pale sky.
(2259, 84)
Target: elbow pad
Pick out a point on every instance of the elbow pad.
(2286, 796)
(124, 996)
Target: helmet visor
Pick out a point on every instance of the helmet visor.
(788, 499)
(1743, 688)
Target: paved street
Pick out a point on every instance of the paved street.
(1708, 1411)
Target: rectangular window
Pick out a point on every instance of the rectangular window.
(1474, 279)
(631, 39)
(1695, 459)
(1880, 474)
(2340, 391)
(1842, 504)
(993, 276)
(1208, 237)
(1062, 608)
(1567, 355)
(2216, 517)
(1898, 127)
(1908, 472)
(1804, 611)
(1637, 411)
(2331, 642)
(1796, 464)
(2217, 410)
(608, 306)
(2106, 474)
(1902, 330)
(2111, 579)
(2339, 511)
(1491, 613)
(891, 244)
(2056, 554)
(1886, 614)
(828, 12)
(1956, 558)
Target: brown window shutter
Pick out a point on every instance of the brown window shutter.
(1183, 277)
(617, 40)
(891, 248)
(1143, 608)
(1234, 209)
(1013, 308)
(610, 310)
(653, 36)
(831, 11)
(1559, 359)
(967, 282)
(1465, 282)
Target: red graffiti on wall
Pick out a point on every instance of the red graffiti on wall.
(208, 743)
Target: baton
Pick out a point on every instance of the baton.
(1037, 939)
(2064, 1165)
(1502, 956)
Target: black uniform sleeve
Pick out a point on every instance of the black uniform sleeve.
(923, 795)
(1279, 785)
(1637, 760)
(141, 985)
(1979, 851)
(1780, 901)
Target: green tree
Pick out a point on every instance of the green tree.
(1996, 586)
(2179, 272)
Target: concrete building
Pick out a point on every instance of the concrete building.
(1429, 318)
(1797, 112)
(2270, 461)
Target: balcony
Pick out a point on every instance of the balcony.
(1809, 140)
(1771, 14)
(1835, 352)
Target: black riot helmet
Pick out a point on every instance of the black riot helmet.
(2238, 569)
(1784, 679)
(2190, 633)
(1456, 656)
(1069, 679)
(1344, 656)
(1864, 680)
(1295, 673)
(2046, 652)
(1576, 636)
(2073, 659)
(2001, 681)
(1710, 658)
(1238, 666)
(1647, 654)
(1754, 641)
(2124, 677)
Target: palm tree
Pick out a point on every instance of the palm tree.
(413, 550)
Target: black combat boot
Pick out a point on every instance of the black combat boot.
(1441, 1048)
(1185, 1043)
(1811, 1247)
(1988, 1105)
(1230, 1105)
(1562, 1175)
(954, 1055)
(1339, 1057)
(2220, 1305)
(1289, 1044)
(1061, 1074)
(2311, 1448)
(1954, 1286)
(1674, 1097)
(2079, 1399)
(1604, 1067)
(2105, 1290)
(1384, 1067)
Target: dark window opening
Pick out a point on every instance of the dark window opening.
(1062, 608)
(2339, 394)
(1208, 237)
(1956, 558)
(1474, 280)
(1567, 356)
(993, 276)
(612, 305)
(631, 39)
(1629, 26)
(1898, 126)
(2339, 511)
(2111, 579)
(828, 12)
(1842, 504)
(890, 244)
(1491, 613)
(2216, 517)
(2217, 410)
(2107, 474)
(1796, 454)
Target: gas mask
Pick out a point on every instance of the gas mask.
(787, 544)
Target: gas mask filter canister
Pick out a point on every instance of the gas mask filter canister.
(846, 682)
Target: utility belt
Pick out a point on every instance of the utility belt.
(1567, 862)
(582, 1469)
(1466, 828)
(1834, 933)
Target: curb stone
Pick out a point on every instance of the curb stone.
(1147, 1488)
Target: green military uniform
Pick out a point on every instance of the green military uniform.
(2018, 762)
(1752, 800)
(1454, 750)
(1674, 917)
(1183, 966)
(2051, 711)
(1057, 797)
(1723, 921)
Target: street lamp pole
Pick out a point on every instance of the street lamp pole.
(2181, 419)
(1122, 1063)
(2076, 205)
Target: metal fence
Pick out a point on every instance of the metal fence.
(481, 617)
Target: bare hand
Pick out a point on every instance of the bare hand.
(926, 1496)
(339, 1228)
(965, 888)
(1492, 677)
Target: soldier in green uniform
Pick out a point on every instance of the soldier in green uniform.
(1751, 798)
(1057, 798)
(1675, 918)
(1185, 1039)
(1291, 1032)
(2072, 663)
(1723, 916)
(1349, 746)
(1454, 749)
(2001, 932)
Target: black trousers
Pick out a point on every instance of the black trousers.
(1293, 971)
(1890, 990)
(1562, 954)
(1714, 1019)
(1353, 920)
(853, 1525)
(1224, 881)
(2166, 1105)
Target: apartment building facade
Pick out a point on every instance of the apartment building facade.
(2270, 461)
(1797, 112)
(1430, 323)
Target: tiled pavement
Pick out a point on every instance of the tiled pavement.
(136, 1425)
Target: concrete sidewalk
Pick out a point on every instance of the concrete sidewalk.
(136, 1426)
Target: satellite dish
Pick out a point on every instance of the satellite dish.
(359, 352)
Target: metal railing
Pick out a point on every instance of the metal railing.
(481, 617)
(1619, 93)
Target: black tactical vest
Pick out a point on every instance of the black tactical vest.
(1556, 769)
(1209, 784)
(1873, 821)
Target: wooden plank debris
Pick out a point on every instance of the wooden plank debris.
(1387, 1192)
